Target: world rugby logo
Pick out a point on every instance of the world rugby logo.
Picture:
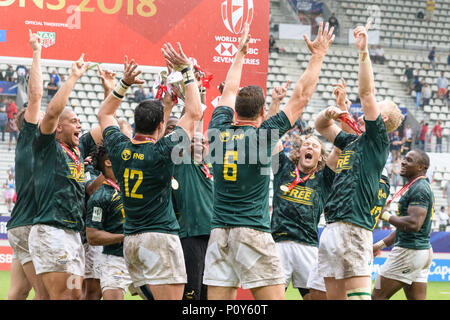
(235, 13)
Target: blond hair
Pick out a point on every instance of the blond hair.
(297, 142)
(393, 113)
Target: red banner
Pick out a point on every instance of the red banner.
(5, 258)
(107, 30)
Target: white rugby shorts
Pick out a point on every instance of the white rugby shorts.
(242, 256)
(18, 240)
(297, 260)
(56, 250)
(345, 251)
(154, 258)
(407, 265)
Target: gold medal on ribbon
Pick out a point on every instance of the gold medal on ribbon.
(175, 184)
(284, 188)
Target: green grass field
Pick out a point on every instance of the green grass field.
(436, 291)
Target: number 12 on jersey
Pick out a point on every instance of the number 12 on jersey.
(135, 176)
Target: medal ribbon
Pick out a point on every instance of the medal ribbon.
(139, 137)
(244, 123)
(298, 179)
(206, 171)
(112, 184)
(352, 123)
(402, 191)
(73, 156)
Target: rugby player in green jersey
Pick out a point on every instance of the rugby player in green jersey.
(241, 250)
(345, 249)
(94, 179)
(408, 264)
(23, 274)
(193, 203)
(104, 227)
(144, 168)
(55, 242)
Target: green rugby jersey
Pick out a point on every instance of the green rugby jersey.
(358, 173)
(296, 213)
(380, 201)
(59, 186)
(193, 200)
(90, 174)
(419, 194)
(25, 207)
(241, 159)
(105, 212)
(144, 171)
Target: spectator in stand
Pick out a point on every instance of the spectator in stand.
(448, 59)
(12, 109)
(443, 219)
(422, 135)
(437, 132)
(11, 127)
(55, 77)
(418, 84)
(431, 4)
(333, 21)
(52, 88)
(9, 74)
(379, 55)
(61, 81)
(372, 55)
(21, 72)
(407, 138)
(442, 84)
(420, 15)
(287, 145)
(396, 145)
(396, 166)
(426, 94)
(2, 77)
(409, 73)
(3, 120)
(139, 94)
(446, 194)
(273, 45)
(9, 191)
(317, 21)
(304, 20)
(432, 57)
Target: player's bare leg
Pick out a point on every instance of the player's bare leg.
(40, 293)
(20, 286)
(167, 291)
(349, 288)
(62, 286)
(385, 288)
(317, 295)
(113, 294)
(92, 289)
(416, 291)
(222, 293)
(274, 292)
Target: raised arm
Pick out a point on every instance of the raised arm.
(35, 84)
(107, 112)
(233, 80)
(193, 106)
(366, 82)
(108, 82)
(278, 94)
(325, 123)
(58, 103)
(305, 86)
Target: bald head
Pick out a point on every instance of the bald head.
(67, 113)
